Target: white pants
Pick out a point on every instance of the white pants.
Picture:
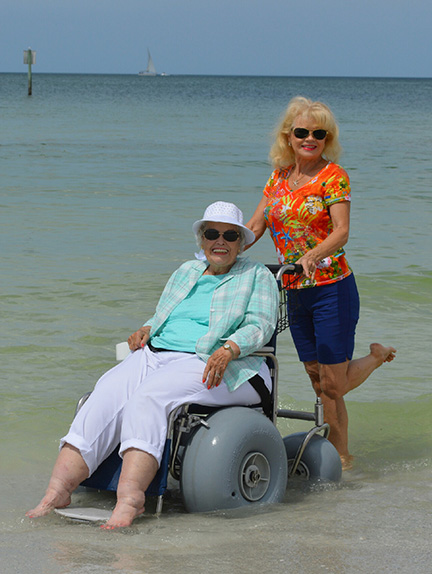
(131, 403)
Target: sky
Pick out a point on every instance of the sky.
(387, 38)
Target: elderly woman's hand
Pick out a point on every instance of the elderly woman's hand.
(139, 339)
(217, 363)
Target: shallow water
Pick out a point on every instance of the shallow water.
(369, 523)
(102, 177)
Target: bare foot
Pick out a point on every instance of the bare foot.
(383, 354)
(51, 500)
(347, 461)
(123, 515)
(139, 469)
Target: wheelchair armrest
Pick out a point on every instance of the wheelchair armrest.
(122, 350)
(265, 350)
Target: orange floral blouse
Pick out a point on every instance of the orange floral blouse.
(299, 219)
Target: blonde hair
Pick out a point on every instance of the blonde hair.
(281, 154)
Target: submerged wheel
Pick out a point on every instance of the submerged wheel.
(240, 460)
(320, 460)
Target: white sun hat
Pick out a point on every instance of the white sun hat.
(223, 212)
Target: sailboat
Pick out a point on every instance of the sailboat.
(150, 70)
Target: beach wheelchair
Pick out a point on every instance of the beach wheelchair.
(230, 457)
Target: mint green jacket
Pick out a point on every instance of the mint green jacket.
(244, 309)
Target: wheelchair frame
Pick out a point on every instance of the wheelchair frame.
(184, 421)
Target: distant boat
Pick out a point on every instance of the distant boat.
(151, 70)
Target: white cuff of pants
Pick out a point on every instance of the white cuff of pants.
(140, 445)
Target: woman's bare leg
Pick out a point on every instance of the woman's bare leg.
(333, 382)
(360, 369)
(335, 414)
(138, 470)
(68, 472)
(337, 380)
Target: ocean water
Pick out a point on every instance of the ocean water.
(102, 177)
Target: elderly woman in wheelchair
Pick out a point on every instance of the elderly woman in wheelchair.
(213, 314)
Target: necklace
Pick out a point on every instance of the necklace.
(296, 181)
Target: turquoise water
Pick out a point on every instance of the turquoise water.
(102, 177)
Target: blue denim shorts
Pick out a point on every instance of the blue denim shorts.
(323, 321)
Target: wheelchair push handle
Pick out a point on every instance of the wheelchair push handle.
(287, 269)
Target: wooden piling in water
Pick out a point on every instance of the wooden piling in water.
(29, 59)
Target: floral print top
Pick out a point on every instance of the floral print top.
(299, 219)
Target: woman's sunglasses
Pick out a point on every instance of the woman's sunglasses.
(302, 133)
(230, 235)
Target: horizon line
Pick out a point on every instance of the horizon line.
(167, 75)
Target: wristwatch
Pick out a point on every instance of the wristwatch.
(228, 347)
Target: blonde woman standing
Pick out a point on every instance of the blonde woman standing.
(306, 207)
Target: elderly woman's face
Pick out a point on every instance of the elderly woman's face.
(220, 253)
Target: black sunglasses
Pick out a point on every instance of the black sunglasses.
(302, 133)
(230, 235)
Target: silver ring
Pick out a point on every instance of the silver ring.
(217, 375)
